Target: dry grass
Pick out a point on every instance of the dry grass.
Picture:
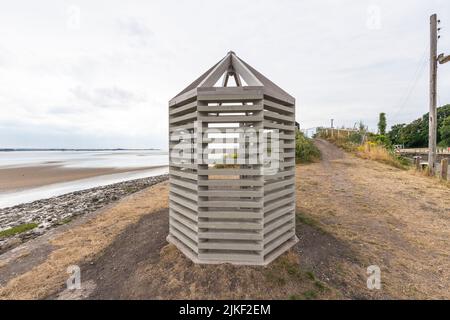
(372, 151)
(392, 218)
(84, 242)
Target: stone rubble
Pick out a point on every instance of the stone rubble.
(52, 212)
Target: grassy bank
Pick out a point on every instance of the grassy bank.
(368, 146)
(305, 150)
(17, 229)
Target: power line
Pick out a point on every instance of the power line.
(416, 77)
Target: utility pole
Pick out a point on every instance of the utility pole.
(433, 87)
(434, 59)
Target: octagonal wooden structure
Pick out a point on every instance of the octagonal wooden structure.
(240, 213)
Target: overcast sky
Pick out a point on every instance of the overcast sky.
(87, 74)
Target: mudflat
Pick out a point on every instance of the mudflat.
(18, 178)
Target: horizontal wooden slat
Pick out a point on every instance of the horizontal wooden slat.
(190, 116)
(185, 211)
(182, 109)
(183, 238)
(231, 204)
(230, 225)
(235, 214)
(278, 232)
(268, 124)
(182, 174)
(183, 183)
(183, 201)
(278, 117)
(230, 235)
(278, 107)
(230, 194)
(230, 119)
(278, 194)
(278, 222)
(230, 246)
(231, 183)
(184, 225)
(229, 172)
(230, 108)
(276, 243)
(250, 258)
(278, 212)
(277, 203)
(277, 185)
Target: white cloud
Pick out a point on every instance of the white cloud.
(107, 81)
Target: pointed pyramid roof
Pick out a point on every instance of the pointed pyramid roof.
(232, 65)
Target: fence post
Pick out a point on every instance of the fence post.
(417, 162)
(444, 169)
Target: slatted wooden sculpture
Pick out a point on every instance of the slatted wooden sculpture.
(235, 206)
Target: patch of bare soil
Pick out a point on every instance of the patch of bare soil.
(139, 264)
(395, 219)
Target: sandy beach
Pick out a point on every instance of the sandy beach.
(18, 178)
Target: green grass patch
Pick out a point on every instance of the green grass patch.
(310, 275)
(320, 286)
(283, 270)
(305, 149)
(310, 295)
(304, 219)
(17, 229)
(65, 221)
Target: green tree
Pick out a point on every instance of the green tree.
(396, 134)
(382, 124)
(445, 132)
(415, 134)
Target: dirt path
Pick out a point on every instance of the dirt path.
(397, 220)
(351, 214)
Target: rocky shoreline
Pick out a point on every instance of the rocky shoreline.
(52, 212)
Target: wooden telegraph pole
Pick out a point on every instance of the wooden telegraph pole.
(434, 60)
(433, 87)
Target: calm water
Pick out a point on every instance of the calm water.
(153, 160)
(84, 159)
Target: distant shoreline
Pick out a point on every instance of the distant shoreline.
(25, 177)
(63, 149)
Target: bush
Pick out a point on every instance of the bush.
(305, 150)
(378, 152)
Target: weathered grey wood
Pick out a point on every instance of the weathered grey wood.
(417, 163)
(433, 101)
(444, 169)
(244, 213)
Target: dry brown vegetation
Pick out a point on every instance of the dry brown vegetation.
(376, 152)
(392, 218)
(82, 243)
